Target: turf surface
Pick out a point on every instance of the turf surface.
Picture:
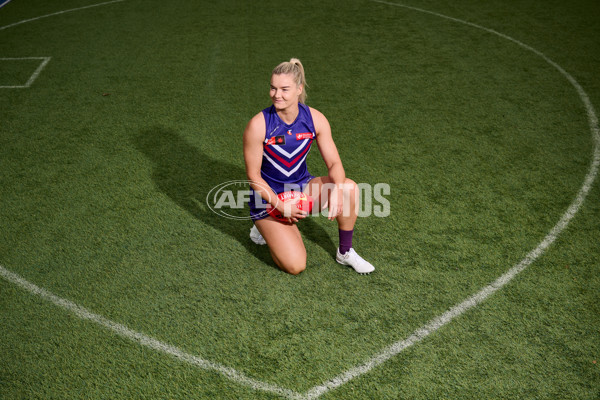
(106, 160)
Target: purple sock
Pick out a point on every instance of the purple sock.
(345, 240)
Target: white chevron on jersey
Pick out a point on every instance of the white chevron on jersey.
(292, 154)
(281, 169)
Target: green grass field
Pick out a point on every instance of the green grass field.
(117, 280)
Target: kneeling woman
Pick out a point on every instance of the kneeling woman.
(276, 143)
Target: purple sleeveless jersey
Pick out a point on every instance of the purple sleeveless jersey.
(286, 147)
(284, 155)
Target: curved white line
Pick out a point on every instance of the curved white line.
(436, 323)
(57, 13)
(142, 339)
(4, 3)
(123, 330)
(396, 347)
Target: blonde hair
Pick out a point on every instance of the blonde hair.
(293, 67)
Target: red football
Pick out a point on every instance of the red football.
(305, 203)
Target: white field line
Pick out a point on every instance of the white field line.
(3, 3)
(459, 309)
(144, 340)
(58, 13)
(120, 329)
(33, 76)
(397, 347)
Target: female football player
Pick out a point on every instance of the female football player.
(276, 143)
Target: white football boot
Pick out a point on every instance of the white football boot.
(355, 261)
(255, 236)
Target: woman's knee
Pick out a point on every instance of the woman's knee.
(294, 268)
(285, 244)
(291, 264)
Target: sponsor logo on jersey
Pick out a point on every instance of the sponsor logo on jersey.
(275, 140)
(305, 135)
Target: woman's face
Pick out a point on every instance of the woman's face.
(284, 91)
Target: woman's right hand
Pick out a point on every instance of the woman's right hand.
(290, 210)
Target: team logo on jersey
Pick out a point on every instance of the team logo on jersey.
(305, 135)
(275, 140)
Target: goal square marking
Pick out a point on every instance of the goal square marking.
(43, 61)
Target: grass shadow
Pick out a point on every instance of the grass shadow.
(186, 175)
(316, 234)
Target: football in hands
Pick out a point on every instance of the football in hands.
(305, 203)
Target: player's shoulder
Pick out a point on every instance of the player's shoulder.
(316, 113)
(257, 120)
(256, 125)
(319, 118)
